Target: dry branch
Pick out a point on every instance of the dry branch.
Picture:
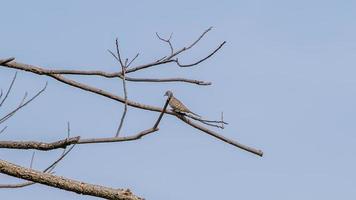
(3, 129)
(220, 137)
(9, 89)
(123, 73)
(22, 104)
(49, 169)
(41, 71)
(65, 183)
(45, 177)
(77, 140)
(43, 146)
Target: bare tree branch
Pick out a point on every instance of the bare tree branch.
(10, 114)
(220, 137)
(40, 71)
(133, 59)
(164, 60)
(170, 59)
(222, 119)
(200, 37)
(22, 104)
(9, 89)
(192, 45)
(56, 74)
(118, 53)
(198, 82)
(162, 112)
(118, 75)
(202, 60)
(77, 140)
(125, 105)
(3, 129)
(43, 146)
(167, 41)
(65, 183)
(214, 123)
(123, 73)
(46, 177)
(49, 169)
(186, 48)
(32, 159)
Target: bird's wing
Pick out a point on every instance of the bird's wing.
(178, 105)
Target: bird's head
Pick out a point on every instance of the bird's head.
(168, 93)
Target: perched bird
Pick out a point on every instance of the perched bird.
(177, 105)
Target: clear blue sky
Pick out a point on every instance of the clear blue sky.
(285, 81)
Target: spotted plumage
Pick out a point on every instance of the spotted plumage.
(177, 105)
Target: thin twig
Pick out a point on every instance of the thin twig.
(163, 111)
(118, 55)
(6, 117)
(49, 169)
(222, 119)
(3, 129)
(68, 129)
(54, 164)
(133, 59)
(126, 61)
(32, 159)
(213, 123)
(208, 121)
(220, 137)
(202, 60)
(123, 73)
(118, 52)
(198, 82)
(112, 53)
(167, 41)
(169, 59)
(9, 89)
(125, 107)
(64, 153)
(163, 60)
(201, 36)
(10, 114)
(190, 46)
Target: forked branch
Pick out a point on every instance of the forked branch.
(22, 104)
(43, 146)
(41, 71)
(46, 177)
(65, 183)
(49, 169)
